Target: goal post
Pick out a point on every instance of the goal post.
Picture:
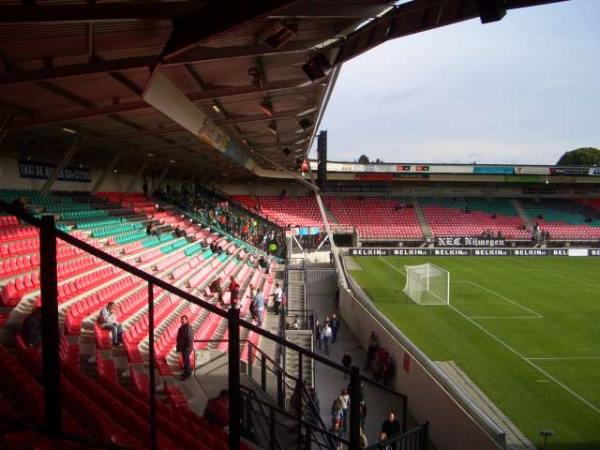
(427, 284)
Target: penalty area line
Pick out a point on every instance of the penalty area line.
(529, 361)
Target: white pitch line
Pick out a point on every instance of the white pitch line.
(517, 353)
(503, 297)
(550, 358)
(392, 266)
(505, 317)
(528, 361)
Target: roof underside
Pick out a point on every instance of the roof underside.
(84, 66)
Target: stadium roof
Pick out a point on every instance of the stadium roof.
(209, 87)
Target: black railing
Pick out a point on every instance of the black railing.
(50, 335)
(415, 439)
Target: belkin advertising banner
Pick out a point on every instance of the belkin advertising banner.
(367, 251)
(469, 242)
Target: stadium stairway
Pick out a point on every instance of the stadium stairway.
(297, 301)
(522, 213)
(427, 234)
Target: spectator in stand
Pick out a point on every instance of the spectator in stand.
(263, 263)
(277, 298)
(335, 328)
(371, 350)
(318, 331)
(234, 289)
(185, 346)
(150, 229)
(215, 286)
(346, 362)
(259, 306)
(31, 330)
(390, 428)
(326, 336)
(108, 321)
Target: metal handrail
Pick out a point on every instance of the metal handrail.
(331, 436)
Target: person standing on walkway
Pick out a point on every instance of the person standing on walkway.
(336, 419)
(345, 399)
(318, 331)
(389, 429)
(371, 350)
(185, 345)
(346, 362)
(363, 413)
(326, 336)
(335, 327)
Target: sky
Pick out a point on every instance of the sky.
(522, 90)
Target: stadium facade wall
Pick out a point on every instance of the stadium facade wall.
(263, 188)
(455, 423)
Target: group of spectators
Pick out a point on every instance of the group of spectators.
(379, 361)
(233, 220)
(540, 235)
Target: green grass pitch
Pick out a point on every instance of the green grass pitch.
(526, 330)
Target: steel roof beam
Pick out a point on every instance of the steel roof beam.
(410, 18)
(223, 92)
(95, 12)
(333, 10)
(214, 19)
(257, 118)
(197, 55)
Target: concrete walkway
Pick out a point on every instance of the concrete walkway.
(329, 382)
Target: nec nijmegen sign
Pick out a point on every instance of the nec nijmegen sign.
(469, 242)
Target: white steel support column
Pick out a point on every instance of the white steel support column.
(139, 173)
(107, 171)
(63, 163)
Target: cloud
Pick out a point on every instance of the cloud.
(521, 90)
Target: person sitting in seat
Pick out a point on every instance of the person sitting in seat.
(31, 330)
(108, 321)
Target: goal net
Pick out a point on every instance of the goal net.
(427, 284)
